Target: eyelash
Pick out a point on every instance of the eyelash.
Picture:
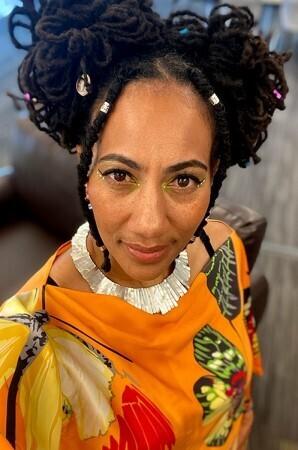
(196, 180)
(113, 171)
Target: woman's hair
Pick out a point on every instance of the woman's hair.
(118, 41)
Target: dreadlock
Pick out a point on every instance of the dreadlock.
(119, 41)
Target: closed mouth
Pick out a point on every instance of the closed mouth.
(140, 248)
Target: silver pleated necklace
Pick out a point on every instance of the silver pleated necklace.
(160, 298)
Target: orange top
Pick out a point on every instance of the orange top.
(88, 371)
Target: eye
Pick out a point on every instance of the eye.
(186, 182)
(118, 177)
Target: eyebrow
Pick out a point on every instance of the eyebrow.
(174, 168)
(186, 164)
(120, 158)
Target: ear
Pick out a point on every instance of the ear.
(78, 151)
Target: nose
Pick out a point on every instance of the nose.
(149, 216)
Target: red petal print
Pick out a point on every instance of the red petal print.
(150, 428)
(113, 444)
(143, 426)
(132, 413)
(127, 440)
(157, 419)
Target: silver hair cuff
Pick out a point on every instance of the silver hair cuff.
(214, 100)
(105, 107)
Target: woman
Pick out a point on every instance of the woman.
(132, 336)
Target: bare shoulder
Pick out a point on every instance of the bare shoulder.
(65, 274)
(218, 233)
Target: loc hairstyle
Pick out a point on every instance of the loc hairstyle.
(119, 41)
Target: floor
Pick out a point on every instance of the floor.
(271, 188)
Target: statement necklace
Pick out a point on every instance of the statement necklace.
(159, 298)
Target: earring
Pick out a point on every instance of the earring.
(87, 198)
(86, 192)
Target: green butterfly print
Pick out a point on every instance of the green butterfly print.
(222, 280)
(221, 394)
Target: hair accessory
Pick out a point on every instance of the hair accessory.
(25, 98)
(83, 85)
(105, 107)
(184, 31)
(159, 298)
(214, 100)
(277, 94)
(87, 198)
(86, 192)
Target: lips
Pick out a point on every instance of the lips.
(146, 254)
(142, 249)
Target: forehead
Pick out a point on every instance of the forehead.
(158, 121)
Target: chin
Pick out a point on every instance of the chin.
(144, 272)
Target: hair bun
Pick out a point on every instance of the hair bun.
(66, 34)
(245, 74)
(15, 21)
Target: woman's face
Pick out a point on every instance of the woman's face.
(150, 186)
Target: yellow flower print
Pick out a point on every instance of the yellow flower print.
(58, 375)
(85, 382)
(40, 399)
(23, 303)
(13, 337)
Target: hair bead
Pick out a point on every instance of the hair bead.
(184, 31)
(277, 94)
(214, 100)
(105, 107)
(83, 85)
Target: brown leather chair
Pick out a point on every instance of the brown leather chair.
(40, 210)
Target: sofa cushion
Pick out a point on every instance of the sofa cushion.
(45, 179)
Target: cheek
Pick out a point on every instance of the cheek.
(105, 214)
(193, 214)
(110, 211)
